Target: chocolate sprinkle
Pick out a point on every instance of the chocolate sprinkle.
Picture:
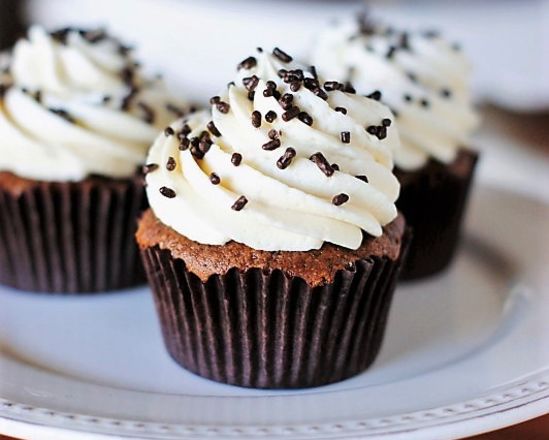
(171, 164)
(407, 98)
(286, 159)
(149, 168)
(214, 178)
(270, 116)
(64, 114)
(250, 82)
(446, 93)
(167, 192)
(372, 129)
(148, 112)
(424, 103)
(281, 55)
(363, 178)
(175, 110)
(295, 86)
(330, 86)
(404, 42)
(286, 101)
(271, 145)
(195, 151)
(381, 132)
(256, 119)
(349, 88)
(335, 166)
(345, 137)
(204, 146)
(186, 129)
(375, 95)
(236, 159)
(290, 114)
(251, 95)
(341, 110)
(184, 144)
(340, 199)
(431, 33)
(239, 203)
(305, 118)
(320, 93)
(391, 52)
(168, 131)
(273, 134)
(386, 122)
(248, 63)
(322, 163)
(3, 90)
(214, 100)
(223, 107)
(213, 129)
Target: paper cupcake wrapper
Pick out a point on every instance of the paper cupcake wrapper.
(433, 201)
(65, 237)
(267, 329)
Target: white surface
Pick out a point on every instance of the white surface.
(198, 43)
(465, 352)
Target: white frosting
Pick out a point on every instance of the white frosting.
(75, 75)
(288, 209)
(434, 131)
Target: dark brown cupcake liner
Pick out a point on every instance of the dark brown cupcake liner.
(268, 329)
(71, 237)
(433, 200)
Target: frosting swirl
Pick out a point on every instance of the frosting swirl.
(422, 77)
(74, 103)
(274, 164)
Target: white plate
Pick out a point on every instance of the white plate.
(465, 353)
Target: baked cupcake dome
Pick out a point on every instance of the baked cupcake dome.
(244, 199)
(76, 118)
(425, 80)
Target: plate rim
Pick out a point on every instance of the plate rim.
(525, 398)
(517, 402)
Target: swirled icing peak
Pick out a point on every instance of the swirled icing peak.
(421, 76)
(75, 103)
(281, 162)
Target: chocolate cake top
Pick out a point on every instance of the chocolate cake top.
(316, 267)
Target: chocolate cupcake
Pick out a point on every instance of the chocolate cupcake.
(273, 243)
(424, 79)
(76, 119)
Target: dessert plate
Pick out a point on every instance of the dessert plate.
(465, 352)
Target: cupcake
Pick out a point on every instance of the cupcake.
(425, 81)
(273, 243)
(76, 119)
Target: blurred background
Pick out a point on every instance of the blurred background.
(197, 43)
(507, 40)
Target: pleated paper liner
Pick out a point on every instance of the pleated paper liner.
(267, 329)
(71, 237)
(433, 200)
